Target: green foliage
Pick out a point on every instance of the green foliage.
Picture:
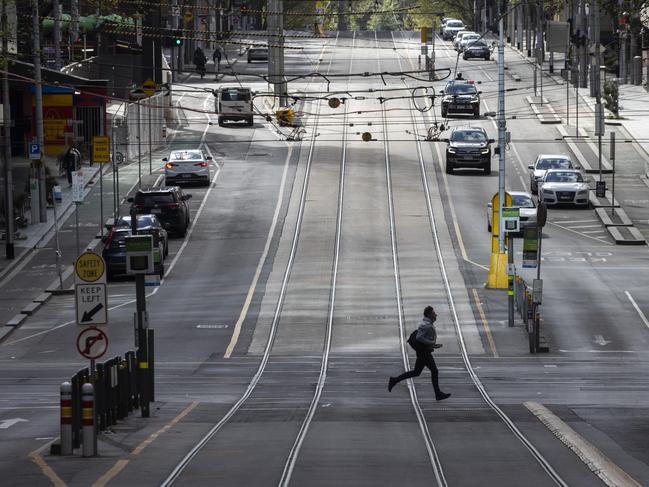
(389, 20)
(611, 95)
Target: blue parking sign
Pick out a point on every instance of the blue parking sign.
(34, 150)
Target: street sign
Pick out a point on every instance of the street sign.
(34, 150)
(101, 148)
(149, 87)
(530, 246)
(77, 186)
(92, 308)
(92, 343)
(90, 267)
(139, 254)
(511, 219)
(151, 280)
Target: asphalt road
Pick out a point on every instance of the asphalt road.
(284, 311)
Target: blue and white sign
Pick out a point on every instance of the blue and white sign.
(34, 150)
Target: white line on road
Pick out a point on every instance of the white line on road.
(637, 308)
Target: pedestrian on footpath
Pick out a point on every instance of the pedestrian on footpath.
(216, 57)
(423, 340)
(71, 162)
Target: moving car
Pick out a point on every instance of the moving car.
(466, 40)
(168, 204)
(235, 103)
(478, 49)
(468, 148)
(459, 36)
(257, 54)
(443, 24)
(114, 251)
(460, 96)
(187, 166)
(543, 163)
(564, 186)
(451, 28)
(527, 212)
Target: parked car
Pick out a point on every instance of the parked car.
(187, 166)
(235, 103)
(477, 49)
(257, 54)
(466, 40)
(168, 204)
(114, 251)
(459, 36)
(147, 224)
(451, 28)
(461, 96)
(527, 211)
(468, 148)
(443, 24)
(543, 163)
(564, 186)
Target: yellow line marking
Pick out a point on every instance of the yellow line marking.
(262, 260)
(110, 474)
(138, 449)
(485, 324)
(36, 457)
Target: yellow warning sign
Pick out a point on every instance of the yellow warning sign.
(149, 87)
(90, 267)
(101, 148)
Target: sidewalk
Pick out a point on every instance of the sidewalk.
(633, 103)
(30, 237)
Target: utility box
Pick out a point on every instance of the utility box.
(511, 219)
(600, 189)
(139, 254)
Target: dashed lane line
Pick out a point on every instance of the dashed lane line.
(485, 324)
(637, 308)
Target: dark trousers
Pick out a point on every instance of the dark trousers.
(424, 359)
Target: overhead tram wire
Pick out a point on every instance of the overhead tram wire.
(435, 462)
(537, 455)
(186, 460)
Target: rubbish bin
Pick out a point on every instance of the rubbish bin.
(57, 193)
(600, 189)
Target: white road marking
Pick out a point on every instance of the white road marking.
(8, 423)
(585, 226)
(599, 339)
(577, 221)
(637, 308)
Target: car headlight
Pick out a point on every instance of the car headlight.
(451, 150)
(475, 100)
(485, 150)
(583, 192)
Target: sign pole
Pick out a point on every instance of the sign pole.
(101, 200)
(76, 224)
(56, 239)
(612, 149)
(510, 279)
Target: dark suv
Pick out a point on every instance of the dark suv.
(468, 147)
(461, 96)
(168, 204)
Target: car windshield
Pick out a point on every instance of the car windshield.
(142, 221)
(564, 177)
(522, 201)
(235, 94)
(468, 37)
(454, 23)
(186, 156)
(477, 45)
(461, 89)
(468, 136)
(554, 164)
(153, 199)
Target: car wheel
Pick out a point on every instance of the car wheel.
(250, 122)
(110, 276)
(249, 61)
(449, 167)
(221, 120)
(489, 226)
(464, 57)
(444, 112)
(166, 250)
(534, 188)
(487, 58)
(487, 170)
(161, 271)
(476, 113)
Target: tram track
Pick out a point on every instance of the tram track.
(536, 454)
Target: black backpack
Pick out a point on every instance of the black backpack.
(414, 343)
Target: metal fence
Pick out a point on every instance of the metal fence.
(530, 313)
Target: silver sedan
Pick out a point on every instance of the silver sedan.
(187, 166)
(527, 209)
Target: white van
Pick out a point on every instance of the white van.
(235, 103)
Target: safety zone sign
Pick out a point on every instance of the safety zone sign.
(92, 343)
(91, 304)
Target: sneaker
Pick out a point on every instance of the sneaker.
(391, 383)
(442, 395)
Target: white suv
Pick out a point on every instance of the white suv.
(451, 28)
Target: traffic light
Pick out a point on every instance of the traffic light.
(177, 38)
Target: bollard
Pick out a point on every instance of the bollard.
(66, 418)
(88, 420)
(636, 73)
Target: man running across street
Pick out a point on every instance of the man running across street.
(423, 340)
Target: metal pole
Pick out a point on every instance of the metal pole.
(101, 199)
(612, 149)
(6, 113)
(112, 151)
(38, 112)
(510, 279)
(57, 249)
(74, 24)
(76, 224)
(57, 34)
(150, 137)
(139, 148)
(502, 127)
